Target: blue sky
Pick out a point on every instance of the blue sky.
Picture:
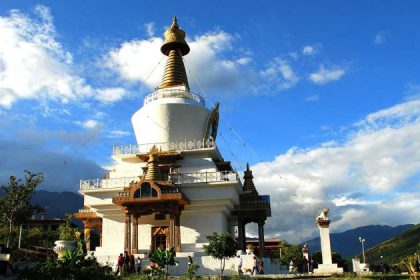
(324, 94)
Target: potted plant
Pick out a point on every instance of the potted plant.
(68, 236)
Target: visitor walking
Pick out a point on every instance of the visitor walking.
(190, 262)
(120, 263)
(258, 265)
(126, 265)
(132, 267)
(261, 270)
(239, 264)
(254, 266)
(138, 265)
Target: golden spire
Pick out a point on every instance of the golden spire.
(248, 182)
(174, 47)
(153, 171)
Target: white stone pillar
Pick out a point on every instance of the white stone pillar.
(324, 232)
(327, 267)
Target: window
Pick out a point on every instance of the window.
(145, 189)
(154, 193)
(137, 194)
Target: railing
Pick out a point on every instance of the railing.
(263, 202)
(183, 145)
(205, 177)
(170, 190)
(123, 194)
(107, 183)
(181, 178)
(167, 93)
(164, 191)
(86, 211)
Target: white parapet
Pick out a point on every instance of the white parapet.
(180, 146)
(178, 178)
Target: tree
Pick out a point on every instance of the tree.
(15, 204)
(221, 247)
(164, 259)
(290, 252)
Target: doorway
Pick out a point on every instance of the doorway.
(160, 237)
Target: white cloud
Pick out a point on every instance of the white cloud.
(380, 38)
(89, 124)
(311, 49)
(150, 29)
(141, 60)
(294, 55)
(308, 50)
(136, 61)
(324, 76)
(405, 111)
(279, 73)
(378, 158)
(312, 98)
(107, 95)
(34, 64)
(243, 60)
(118, 134)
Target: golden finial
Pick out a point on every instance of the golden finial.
(175, 39)
(153, 170)
(174, 23)
(174, 47)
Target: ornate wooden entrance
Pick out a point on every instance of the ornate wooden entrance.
(153, 194)
(160, 238)
(90, 221)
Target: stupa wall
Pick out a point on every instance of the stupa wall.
(170, 122)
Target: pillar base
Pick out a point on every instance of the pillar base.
(328, 269)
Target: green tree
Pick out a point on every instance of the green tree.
(15, 204)
(291, 252)
(164, 259)
(221, 247)
(191, 272)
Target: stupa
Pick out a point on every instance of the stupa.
(172, 188)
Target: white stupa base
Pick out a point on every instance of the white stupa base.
(328, 269)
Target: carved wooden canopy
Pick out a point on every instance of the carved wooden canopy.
(147, 195)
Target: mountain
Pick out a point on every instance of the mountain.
(57, 204)
(347, 243)
(394, 250)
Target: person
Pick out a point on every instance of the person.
(132, 268)
(190, 262)
(138, 265)
(120, 263)
(261, 271)
(258, 265)
(126, 265)
(254, 266)
(153, 267)
(239, 264)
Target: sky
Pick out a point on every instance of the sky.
(321, 98)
